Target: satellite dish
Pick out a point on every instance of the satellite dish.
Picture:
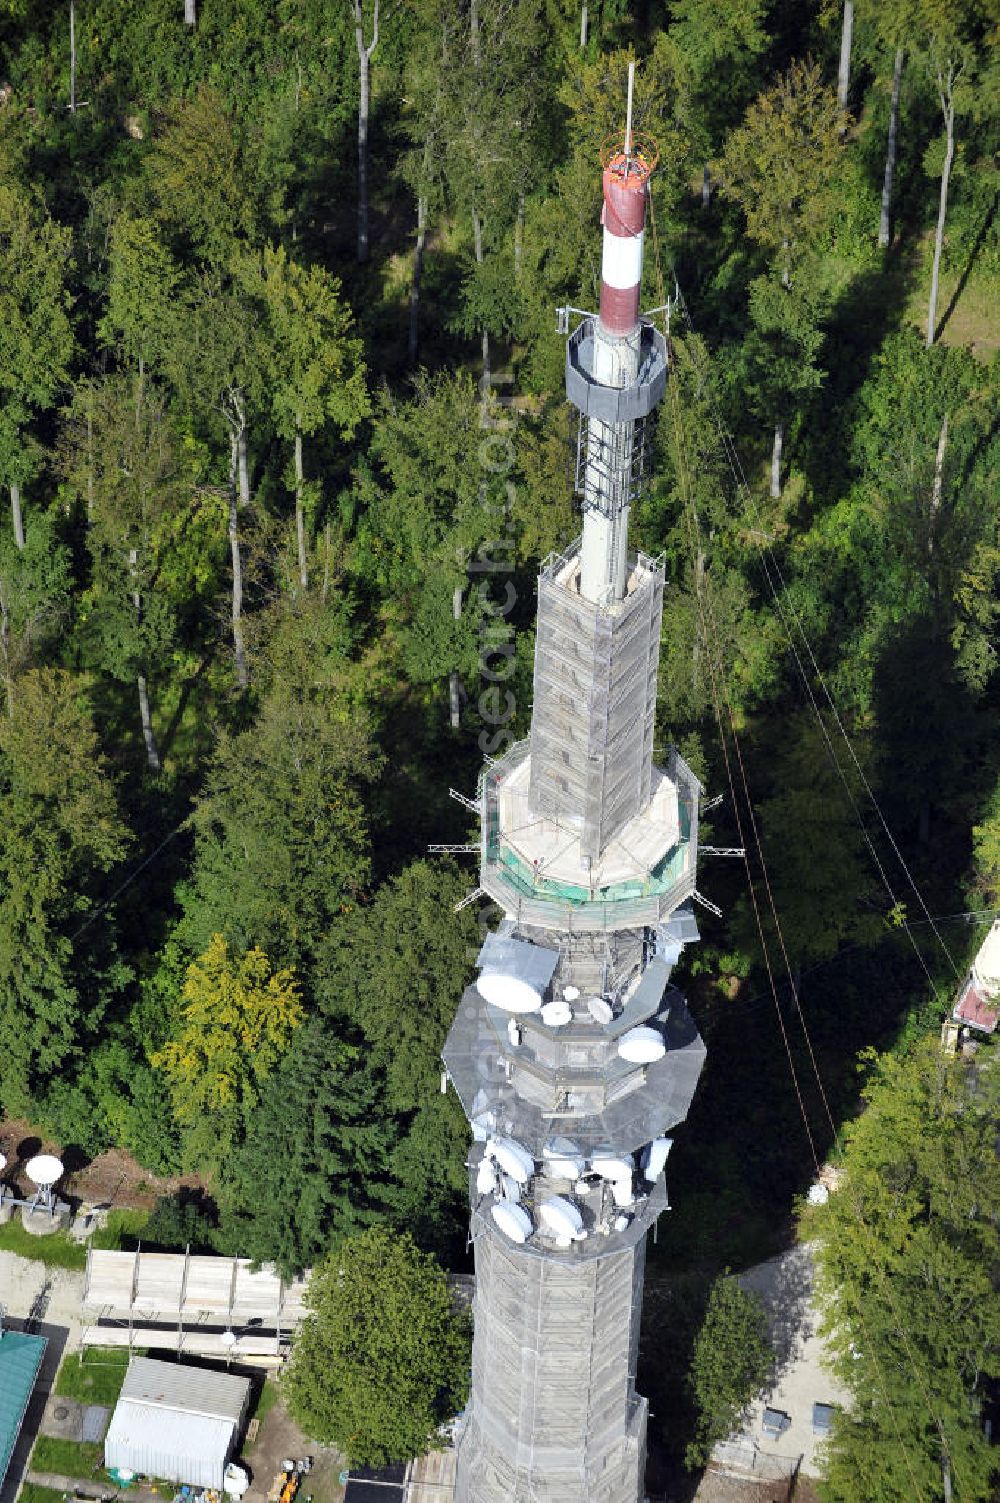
(818, 1195)
(508, 992)
(557, 1014)
(3, 1162)
(642, 1046)
(486, 1178)
(513, 1221)
(655, 1157)
(509, 1187)
(621, 1191)
(563, 1168)
(600, 1011)
(571, 993)
(513, 1158)
(561, 1218)
(43, 1170)
(610, 1166)
(621, 1222)
(228, 1338)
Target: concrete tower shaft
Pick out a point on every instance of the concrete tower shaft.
(573, 1055)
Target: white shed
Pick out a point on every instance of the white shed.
(176, 1422)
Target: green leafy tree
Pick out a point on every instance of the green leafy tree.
(382, 1359)
(780, 166)
(237, 1018)
(143, 282)
(314, 1168)
(60, 834)
(281, 841)
(730, 1364)
(35, 591)
(720, 46)
(36, 339)
(122, 456)
(907, 1249)
(316, 366)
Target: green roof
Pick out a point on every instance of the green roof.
(20, 1359)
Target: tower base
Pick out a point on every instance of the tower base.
(554, 1416)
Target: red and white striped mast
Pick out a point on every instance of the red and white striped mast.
(612, 356)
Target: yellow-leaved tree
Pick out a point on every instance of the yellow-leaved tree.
(238, 1017)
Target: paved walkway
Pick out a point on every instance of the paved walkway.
(74, 1487)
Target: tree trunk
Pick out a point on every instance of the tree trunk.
(5, 648)
(190, 12)
(885, 219)
(706, 186)
(477, 240)
(519, 234)
(242, 675)
(244, 469)
(779, 439)
(948, 108)
(412, 342)
(72, 58)
(364, 104)
(15, 507)
(454, 679)
(938, 485)
(145, 718)
(300, 519)
(846, 36)
(583, 25)
(152, 750)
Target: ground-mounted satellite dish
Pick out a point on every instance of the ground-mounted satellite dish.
(557, 1014)
(508, 992)
(513, 1221)
(642, 1046)
(513, 1158)
(655, 1157)
(43, 1170)
(562, 1219)
(571, 993)
(600, 1010)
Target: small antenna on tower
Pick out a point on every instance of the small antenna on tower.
(628, 113)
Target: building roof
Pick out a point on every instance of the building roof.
(976, 1009)
(191, 1390)
(20, 1359)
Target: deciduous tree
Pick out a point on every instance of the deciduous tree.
(382, 1359)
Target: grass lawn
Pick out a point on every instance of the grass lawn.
(120, 1226)
(32, 1493)
(95, 1376)
(266, 1399)
(55, 1251)
(70, 1458)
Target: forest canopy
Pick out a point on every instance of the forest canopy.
(283, 442)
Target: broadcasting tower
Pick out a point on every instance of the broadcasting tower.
(573, 1055)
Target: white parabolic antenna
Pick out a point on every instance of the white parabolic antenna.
(3, 1162)
(557, 1014)
(561, 1217)
(513, 1220)
(600, 1011)
(228, 1338)
(642, 1046)
(513, 1158)
(43, 1170)
(508, 992)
